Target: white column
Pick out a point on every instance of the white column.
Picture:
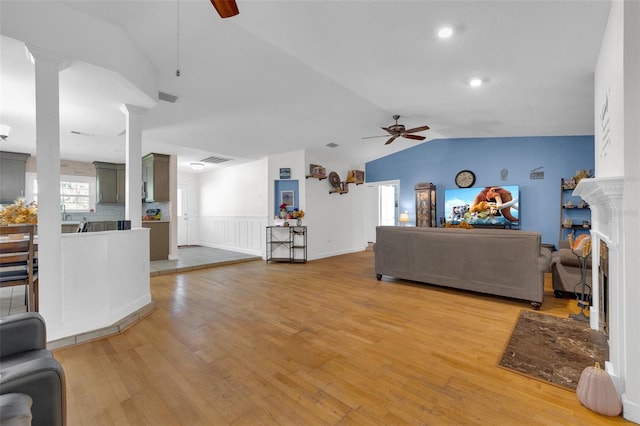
(133, 168)
(47, 89)
(173, 207)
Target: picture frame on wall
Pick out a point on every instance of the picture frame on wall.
(288, 198)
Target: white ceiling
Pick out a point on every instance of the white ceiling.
(289, 75)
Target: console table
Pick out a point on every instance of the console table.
(287, 244)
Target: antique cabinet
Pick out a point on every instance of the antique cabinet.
(426, 205)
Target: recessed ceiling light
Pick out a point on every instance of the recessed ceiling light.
(445, 32)
(475, 82)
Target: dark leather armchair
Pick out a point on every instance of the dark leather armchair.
(27, 367)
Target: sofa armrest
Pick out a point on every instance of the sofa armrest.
(21, 333)
(544, 260)
(15, 409)
(44, 381)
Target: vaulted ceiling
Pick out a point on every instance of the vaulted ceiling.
(289, 75)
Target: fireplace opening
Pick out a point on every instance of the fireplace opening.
(603, 284)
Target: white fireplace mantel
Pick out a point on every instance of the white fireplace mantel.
(605, 198)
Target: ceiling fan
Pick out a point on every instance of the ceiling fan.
(398, 130)
(225, 8)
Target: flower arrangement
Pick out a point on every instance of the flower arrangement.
(297, 213)
(19, 213)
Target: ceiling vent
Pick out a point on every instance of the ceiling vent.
(332, 145)
(167, 97)
(215, 160)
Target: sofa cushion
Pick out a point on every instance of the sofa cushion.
(568, 258)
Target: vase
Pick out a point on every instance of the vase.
(299, 221)
(283, 214)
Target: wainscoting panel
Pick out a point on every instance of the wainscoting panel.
(245, 234)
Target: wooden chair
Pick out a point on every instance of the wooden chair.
(17, 261)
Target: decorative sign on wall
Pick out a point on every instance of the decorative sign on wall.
(537, 173)
(605, 124)
(285, 173)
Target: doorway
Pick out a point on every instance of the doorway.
(383, 206)
(182, 204)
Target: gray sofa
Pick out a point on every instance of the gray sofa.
(500, 262)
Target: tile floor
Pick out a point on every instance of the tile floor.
(189, 258)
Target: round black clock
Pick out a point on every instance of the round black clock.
(465, 179)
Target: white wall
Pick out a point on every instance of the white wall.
(336, 222)
(618, 155)
(608, 99)
(228, 207)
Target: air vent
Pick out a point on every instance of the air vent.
(167, 97)
(332, 145)
(215, 160)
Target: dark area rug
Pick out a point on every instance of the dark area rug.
(553, 349)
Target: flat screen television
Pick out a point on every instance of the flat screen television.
(488, 206)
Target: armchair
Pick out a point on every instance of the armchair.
(27, 367)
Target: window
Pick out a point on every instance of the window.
(77, 193)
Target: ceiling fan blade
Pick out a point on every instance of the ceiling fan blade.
(417, 129)
(416, 137)
(391, 140)
(371, 137)
(390, 131)
(225, 8)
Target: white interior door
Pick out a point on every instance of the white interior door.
(183, 214)
(382, 203)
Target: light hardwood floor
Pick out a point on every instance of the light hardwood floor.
(313, 344)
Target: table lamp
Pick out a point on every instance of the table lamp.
(404, 218)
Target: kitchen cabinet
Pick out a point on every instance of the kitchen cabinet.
(155, 177)
(12, 176)
(110, 182)
(158, 239)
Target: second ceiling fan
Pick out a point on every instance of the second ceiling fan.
(398, 131)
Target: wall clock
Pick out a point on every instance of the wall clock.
(465, 179)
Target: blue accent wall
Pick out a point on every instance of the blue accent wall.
(439, 160)
(286, 185)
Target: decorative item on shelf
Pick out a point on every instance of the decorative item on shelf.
(568, 223)
(568, 205)
(355, 176)
(339, 187)
(597, 392)
(298, 215)
(317, 171)
(404, 218)
(19, 213)
(581, 174)
(283, 211)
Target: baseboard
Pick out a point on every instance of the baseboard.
(116, 328)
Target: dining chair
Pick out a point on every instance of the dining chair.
(17, 261)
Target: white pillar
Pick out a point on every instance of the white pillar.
(47, 89)
(133, 168)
